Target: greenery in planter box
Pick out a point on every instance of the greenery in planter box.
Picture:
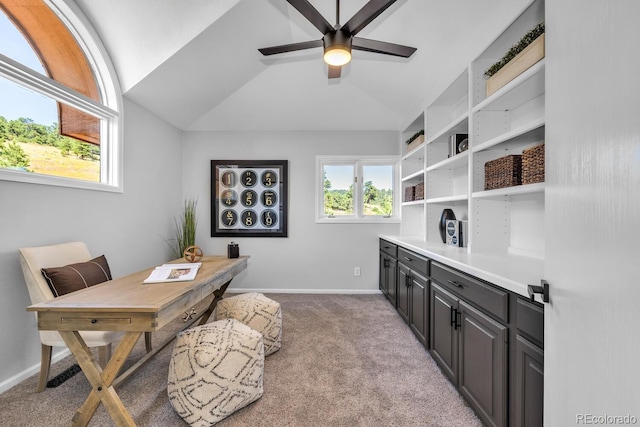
(516, 49)
(413, 138)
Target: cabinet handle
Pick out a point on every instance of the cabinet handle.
(407, 280)
(453, 315)
(542, 289)
(458, 319)
(407, 258)
(386, 263)
(454, 283)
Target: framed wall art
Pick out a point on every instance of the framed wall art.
(249, 198)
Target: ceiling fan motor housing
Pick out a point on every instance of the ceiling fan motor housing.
(337, 44)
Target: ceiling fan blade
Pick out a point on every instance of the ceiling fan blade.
(290, 47)
(334, 72)
(312, 14)
(385, 48)
(368, 13)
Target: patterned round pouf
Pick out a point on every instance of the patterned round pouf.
(215, 369)
(258, 312)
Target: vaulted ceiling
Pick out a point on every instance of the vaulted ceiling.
(196, 63)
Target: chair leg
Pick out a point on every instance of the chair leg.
(147, 341)
(104, 354)
(45, 363)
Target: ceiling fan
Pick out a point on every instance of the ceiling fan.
(339, 40)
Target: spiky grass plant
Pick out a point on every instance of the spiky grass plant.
(186, 227)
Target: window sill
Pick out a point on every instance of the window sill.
(34, 178)
(373, 220)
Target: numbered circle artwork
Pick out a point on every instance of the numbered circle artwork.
(249, 198)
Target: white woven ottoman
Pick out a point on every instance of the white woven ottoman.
(258, 312)
(215, 369)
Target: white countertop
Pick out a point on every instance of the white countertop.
(511, 272)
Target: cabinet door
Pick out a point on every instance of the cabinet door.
(382, 277)
(483, 364)
(392, 277)
(529, 383)
(419, 309)
(404, 283)
(443, 337)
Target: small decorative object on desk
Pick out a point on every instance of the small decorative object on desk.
(233, 250)
(193, 253)
(447, 214)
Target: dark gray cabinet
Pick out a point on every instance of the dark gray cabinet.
(388, 270)
(529, 365)
(472, 350)
(487, 340)
(413, 292)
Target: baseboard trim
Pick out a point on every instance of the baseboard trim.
(34, 370)
(307, 291)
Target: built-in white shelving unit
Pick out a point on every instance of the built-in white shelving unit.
(506, 224)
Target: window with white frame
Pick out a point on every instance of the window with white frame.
(59, 99)
(356, 189)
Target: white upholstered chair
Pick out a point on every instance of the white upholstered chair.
(32, 260)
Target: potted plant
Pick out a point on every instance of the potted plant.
(415, 140)
(521, 56)
(186, 227)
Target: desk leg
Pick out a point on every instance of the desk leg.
(217, 296)
(100, 380)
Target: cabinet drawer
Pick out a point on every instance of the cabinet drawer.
(493, 300)
(530, 320)
(413, 261)
(388, 248)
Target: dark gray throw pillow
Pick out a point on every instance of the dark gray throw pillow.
(73, 277)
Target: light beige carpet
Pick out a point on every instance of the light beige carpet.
(346, 360)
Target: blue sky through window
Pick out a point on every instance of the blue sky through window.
(16, 101)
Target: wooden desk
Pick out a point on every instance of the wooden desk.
(128, 305)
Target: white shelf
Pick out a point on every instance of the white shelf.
(528, 85)
(453, 162)
(415, 154)
(416, 176)
(458, 125)
(510, 191)
(448, 199)
(528, 133)
(414, 203)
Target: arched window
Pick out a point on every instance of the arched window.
(59, 101)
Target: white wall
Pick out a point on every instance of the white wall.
(315, 257)
(593, 212)
(129, 228)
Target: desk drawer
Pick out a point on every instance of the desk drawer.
(413, 261)
(493, 300)
(389, 248)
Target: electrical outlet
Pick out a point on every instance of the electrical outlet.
(356, 271)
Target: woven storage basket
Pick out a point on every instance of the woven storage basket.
(533, 164)
(503, 172)
(409, 194)
(419, 191)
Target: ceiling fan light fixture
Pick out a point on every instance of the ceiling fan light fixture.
(337, 48)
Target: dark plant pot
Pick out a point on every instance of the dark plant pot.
(446, 214)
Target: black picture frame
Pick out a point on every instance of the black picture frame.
(249, 198)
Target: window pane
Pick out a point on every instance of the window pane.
(30, 139)
(338, 189)
(15, 46)
(378, 190)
